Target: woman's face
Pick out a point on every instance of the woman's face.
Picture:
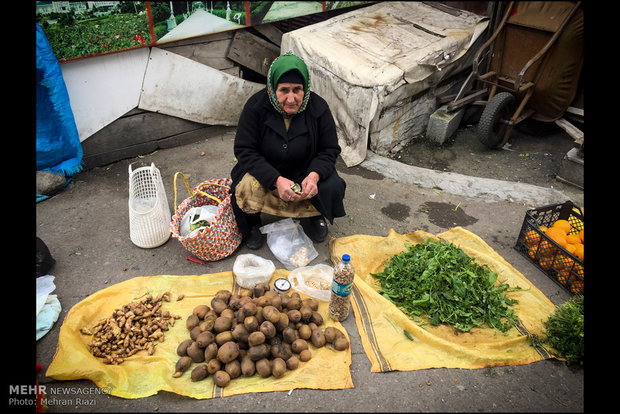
(290, 96)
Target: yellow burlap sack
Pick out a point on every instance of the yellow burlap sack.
(381, 324)
(141, 375)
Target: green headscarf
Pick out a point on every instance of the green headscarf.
(280, 66)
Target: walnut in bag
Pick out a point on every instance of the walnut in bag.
(289, 244)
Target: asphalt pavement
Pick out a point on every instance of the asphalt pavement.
(86, 227)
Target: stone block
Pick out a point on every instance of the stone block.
(443, 123)
(571, 169)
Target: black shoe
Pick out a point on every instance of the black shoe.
(254, 240)
(318, 229)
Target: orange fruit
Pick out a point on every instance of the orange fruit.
(579, 270)
(563, 260)
(545, 262)
(532, 238)
(573, 239)
(576, 287)
(546, 249)
(562, 279)
(563, 275)
(581, 235)
(558, 235)
(579, 251)
(563, 225)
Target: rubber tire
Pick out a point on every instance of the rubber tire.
(491, 127)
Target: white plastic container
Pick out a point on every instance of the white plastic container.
(149, 212)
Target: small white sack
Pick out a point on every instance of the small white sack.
(289, 244)
(314, 281)
(250, 269)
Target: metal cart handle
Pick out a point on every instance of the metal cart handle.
(517, 83)
(489, 42)
(544, 50)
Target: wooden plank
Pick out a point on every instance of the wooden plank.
(211, 53)
(571, 130)
(98, 160)
(209, 50)
(575, 111)
(272, 33)
(92, 160)
(252, 52)
(136, 129)
(199, 40)
(209, 131)
(576, 114)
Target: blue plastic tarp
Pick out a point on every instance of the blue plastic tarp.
(58, 144)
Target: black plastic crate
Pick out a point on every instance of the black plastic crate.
(555, 261)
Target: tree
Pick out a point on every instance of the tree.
(66, 19)
(131, 6)
(160, 10)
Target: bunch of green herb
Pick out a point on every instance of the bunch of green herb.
(199, 224)
(439, 280)
(564, 330)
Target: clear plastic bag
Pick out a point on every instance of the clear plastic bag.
(196, 219)
(314, 281)
(48, 305)
(250, 269)
(289, 244)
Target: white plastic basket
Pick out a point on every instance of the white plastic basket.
(149, 213)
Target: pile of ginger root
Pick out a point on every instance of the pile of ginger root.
(133, 327)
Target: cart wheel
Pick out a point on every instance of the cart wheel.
(494, 119)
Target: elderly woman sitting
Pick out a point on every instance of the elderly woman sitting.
(286, 149)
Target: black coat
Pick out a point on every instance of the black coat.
(264, 148)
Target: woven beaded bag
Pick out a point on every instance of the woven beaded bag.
(222, 237)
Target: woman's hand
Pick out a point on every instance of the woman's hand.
(284, 190)
(309, 186)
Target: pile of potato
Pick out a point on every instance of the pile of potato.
(257, 331)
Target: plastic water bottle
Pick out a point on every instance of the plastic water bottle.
(340, 301)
